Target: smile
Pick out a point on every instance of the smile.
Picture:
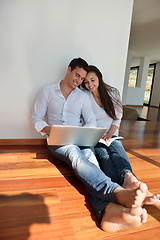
(75, 83)
(91, 87)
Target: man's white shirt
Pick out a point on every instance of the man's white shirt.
(52, 108)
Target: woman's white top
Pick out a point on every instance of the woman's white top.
(103, 119)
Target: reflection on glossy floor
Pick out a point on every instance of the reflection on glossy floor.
(150, 113)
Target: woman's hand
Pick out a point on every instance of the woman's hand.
(106, 137)
(110, 132)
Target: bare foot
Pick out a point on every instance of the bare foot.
(116, 217)
(133, 185)
(150, 198)
(131, 197)
(129, 180)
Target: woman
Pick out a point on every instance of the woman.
(107, 107)
(108, 110)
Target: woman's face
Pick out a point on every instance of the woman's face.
(91, 82)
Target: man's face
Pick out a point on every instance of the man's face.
(76, 76)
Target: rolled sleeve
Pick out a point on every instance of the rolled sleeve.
(40, 109)
(39, 126)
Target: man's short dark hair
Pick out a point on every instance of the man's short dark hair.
(78, 62)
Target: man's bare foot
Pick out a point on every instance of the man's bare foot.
(116, 217)
(130, 181)
(131, 197)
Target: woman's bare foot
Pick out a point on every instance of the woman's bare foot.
(130, 181)
(150, 199)
(116, 217)
(131, 197)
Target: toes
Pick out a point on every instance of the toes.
(140, 195)
(143, 187)
(144, 215)
(138, 192)
(136, 211)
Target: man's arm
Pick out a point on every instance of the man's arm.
(46, 130)
(40, 109)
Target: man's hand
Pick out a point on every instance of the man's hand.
(46, 130)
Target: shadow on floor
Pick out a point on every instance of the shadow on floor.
(70, 176)
(19, 212)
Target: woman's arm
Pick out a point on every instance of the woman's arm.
(110, 133)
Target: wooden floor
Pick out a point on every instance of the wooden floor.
(148, 112)
(41, 198)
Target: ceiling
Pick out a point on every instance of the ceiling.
(145, 31)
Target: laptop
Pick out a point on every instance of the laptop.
(81, 136)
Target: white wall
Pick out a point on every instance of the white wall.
(135, 95)
(38, 40)
(126, 77)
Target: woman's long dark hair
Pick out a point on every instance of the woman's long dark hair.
(109, 96)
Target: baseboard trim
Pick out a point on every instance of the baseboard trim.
(134, 105)
(154, 106)
(8, 142)
(127, 105)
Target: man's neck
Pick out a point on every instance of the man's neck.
(65, 88)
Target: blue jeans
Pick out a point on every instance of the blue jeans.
(85, 165)
(113, 160)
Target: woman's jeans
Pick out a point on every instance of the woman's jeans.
(85, 165)
(113, 160)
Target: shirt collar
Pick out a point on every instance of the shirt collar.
(57, 86)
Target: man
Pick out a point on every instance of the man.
(65, 104)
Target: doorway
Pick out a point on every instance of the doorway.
(149, 84)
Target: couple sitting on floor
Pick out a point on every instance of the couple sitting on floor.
(114, 192)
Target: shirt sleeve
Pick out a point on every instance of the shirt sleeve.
(88, 115)
(118, 109)
(118, 120)
(39, 112)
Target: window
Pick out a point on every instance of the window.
(133, 76)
